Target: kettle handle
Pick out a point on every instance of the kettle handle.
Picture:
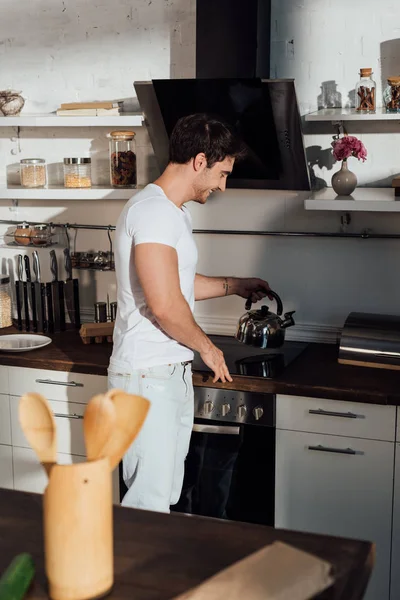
(279, 305)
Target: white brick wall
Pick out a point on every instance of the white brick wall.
(83, 50)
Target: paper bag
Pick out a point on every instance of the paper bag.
(277, 572)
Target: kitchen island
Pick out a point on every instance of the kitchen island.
(159, 556)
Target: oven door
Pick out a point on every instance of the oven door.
(230, 472)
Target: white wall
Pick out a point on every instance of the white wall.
(81, 50)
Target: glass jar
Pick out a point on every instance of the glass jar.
(41, 235)
(100, 260)
(366, 92)
(22, 234)
(122, 159)
(77, 173)
(33, 172)
(5, 301)
(391, 95)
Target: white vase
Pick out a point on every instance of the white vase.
(344, 182)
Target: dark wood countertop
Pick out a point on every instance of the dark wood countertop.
(315, 373)
(159, 556)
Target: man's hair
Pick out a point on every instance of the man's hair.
(203, 133)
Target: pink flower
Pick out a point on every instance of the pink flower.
(348, 146)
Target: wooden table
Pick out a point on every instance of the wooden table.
(158, 556)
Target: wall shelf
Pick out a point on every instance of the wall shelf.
(52, 120)
(17, 192)
(362, 199)
(350, 114)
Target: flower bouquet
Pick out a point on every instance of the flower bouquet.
(344, 182)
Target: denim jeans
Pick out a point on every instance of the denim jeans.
(153, 467)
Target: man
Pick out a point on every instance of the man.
(155, 331)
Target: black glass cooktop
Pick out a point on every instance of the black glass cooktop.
(253, 362)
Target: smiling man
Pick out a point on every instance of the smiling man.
(155, 331)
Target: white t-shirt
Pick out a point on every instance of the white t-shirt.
(150, 217)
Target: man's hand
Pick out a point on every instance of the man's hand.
(214, 358)
(253, 287)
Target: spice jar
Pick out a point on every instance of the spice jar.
(122, 159)
(391, 95)
(5, 301)
(33, 172)
(77, 173)
(41, 235)
(22, 234)
(366, 92)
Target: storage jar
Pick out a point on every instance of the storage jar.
(5, 301)
(77, 173)
(41, 235)
(122, 159)
(22, 234)
(33, 172)
(366, 92)
(391, 95)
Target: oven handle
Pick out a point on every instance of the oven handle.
(216, 429)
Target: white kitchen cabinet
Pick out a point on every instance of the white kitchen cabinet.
(395, 573)
(6, 467)
(338, 486)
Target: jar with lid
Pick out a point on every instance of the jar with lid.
(77, 173)
(22, 234)
(41, 235)
(33, 172)
(366, 92)
(122, 159)
(5, 301)
(391, 95)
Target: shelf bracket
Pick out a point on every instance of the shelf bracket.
(339, 126)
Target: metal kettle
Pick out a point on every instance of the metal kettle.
(263, 328)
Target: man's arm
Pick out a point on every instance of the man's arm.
(157, 269)
(216, 287)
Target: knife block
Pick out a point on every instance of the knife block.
(78, 531)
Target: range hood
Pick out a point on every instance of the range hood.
(232, 82)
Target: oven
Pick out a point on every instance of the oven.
(230, 467)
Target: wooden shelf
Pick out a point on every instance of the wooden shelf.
(362, 199)
(52, 120)
(61, 193)
(350, 114)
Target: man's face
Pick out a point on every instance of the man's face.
(212, 180)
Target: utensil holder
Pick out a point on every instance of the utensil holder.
(78, 531)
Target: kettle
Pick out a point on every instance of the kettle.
(262, 328)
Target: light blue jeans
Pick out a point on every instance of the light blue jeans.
(153, 467)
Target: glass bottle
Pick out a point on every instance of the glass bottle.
(366, 92)
(391, 95)
(122, 159)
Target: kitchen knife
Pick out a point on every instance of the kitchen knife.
(25, 291)
(19, 292)
(57, 295)
(71, 290)
(39, 293)
(49, 305)
(31, 292)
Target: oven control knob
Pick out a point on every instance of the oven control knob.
(225, 409)
(258, 412)
(208, 407)
(241, 411)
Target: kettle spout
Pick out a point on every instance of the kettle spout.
(288, 320)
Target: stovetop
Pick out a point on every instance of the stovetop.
(252, 362)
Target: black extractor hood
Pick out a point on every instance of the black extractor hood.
(232, 70)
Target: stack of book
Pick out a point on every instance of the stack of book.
(87, 109)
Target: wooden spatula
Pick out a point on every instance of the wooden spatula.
(38, 424)
(98, 425)
(131, 412)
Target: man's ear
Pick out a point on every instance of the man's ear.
(200, 162)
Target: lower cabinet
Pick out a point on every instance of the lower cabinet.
(395, 574)
(340, 486)
(6, 467)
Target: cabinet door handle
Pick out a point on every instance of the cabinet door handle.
(73, 416)
(332, 413)
(216, 429)
(65, 383)
(334, 450)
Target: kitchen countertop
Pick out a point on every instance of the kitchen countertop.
(158, 556)
(314, 373)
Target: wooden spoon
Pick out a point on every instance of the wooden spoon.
(131, 412)
(98, 425)
(38, 424)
